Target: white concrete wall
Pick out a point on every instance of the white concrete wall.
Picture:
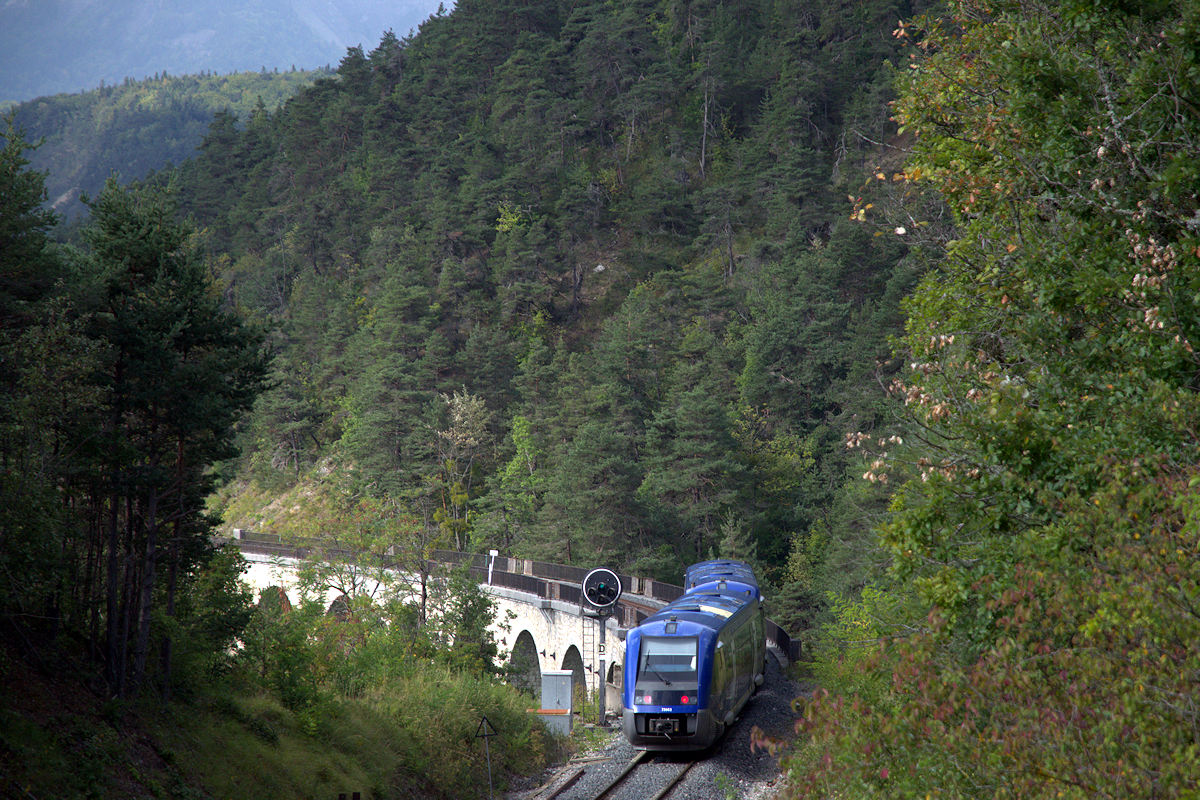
(278, 571)
(555, 625)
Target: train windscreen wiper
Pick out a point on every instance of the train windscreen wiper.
(659, 674)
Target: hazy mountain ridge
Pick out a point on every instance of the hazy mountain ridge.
(60, 46)
(138, 127)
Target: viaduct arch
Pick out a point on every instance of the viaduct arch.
(541, 623)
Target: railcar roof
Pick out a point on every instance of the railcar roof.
(718, 564)
(725, 584)
(704, 609)
(710, 571)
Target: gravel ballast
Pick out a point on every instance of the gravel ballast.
(729, 770)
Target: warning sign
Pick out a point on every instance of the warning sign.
(485, 729)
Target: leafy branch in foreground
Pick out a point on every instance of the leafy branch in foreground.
(1049, 526)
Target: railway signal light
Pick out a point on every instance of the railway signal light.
(602, 588)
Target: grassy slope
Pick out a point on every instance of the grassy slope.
(59, 739)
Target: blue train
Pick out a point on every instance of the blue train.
(691, 667)
(727, 577)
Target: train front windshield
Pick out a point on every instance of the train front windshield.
(668, 660)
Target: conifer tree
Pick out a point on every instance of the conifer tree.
(694, 476)
(45, 397)
(177, 371)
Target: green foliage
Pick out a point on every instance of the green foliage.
(1045, 522)
(412, 734)
(461, 628)
(727, 786)
(579, 283)
(278, 648)
(620, 228)
(177, 370)
(693, 476)
(139, 127)
(43, 387)
(423, 686)
(125, 379)
(441, 711)
(587, 288)
(209, 616)
(28, 270)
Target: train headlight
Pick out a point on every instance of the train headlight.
(685, 699)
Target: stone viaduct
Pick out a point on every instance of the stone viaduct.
(542, 622)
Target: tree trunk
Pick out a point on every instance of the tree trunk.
(145, 592)
(111, 626)
(126, 603)
(729, 246)
(92, 584)
(172, 578)
(576, 286)
(424, 592)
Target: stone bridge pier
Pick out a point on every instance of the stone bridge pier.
(540, 635)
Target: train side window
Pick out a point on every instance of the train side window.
(722, 678)
(745, 658)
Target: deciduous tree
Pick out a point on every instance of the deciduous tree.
(1045, 528)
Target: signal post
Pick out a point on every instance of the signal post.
(601, 589)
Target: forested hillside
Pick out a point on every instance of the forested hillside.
(138, 127)
(1036, 636)
(133, 661)
(618, 288)
(576, 281)
(898, 303)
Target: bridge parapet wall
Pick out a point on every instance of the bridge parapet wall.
(545, 583)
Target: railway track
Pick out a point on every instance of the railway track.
(639, 764)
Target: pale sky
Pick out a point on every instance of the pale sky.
(56, 46)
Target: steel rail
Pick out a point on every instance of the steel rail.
(637, 759)
(633, 763)
(671, 784)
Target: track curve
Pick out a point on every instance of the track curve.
(729, 767)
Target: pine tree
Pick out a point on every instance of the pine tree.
(178, 371)
(693, 476)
